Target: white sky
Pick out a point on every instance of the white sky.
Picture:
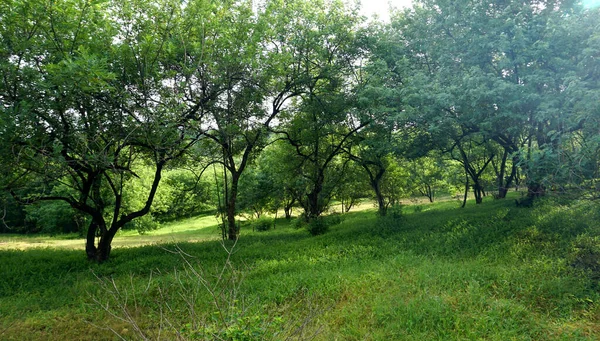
(381, 7)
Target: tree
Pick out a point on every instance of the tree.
(83, 100)
(321, 123)
(426, 175)
(351, 187)
(264, 66)
(277, 163)
(498, 70)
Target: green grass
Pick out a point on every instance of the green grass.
(486, 272)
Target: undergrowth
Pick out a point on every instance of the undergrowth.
(492, 271)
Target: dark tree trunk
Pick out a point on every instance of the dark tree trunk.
(315, 206)
(466, 190)
(90, 244)
(232, 231)
(500, 176)
(104, 246)
(477, 191)
(504, 184)
(427, 191)
(288, 212)
(375, 182)
(381, 206)
(288, 207)
(101, 252)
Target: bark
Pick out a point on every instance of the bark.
(90, 244)
(315, 206)
(288, 212)
(104, 246)
(427, 191)
(466, 190)
(381, 206)
(375, 182)
(477, 191)
(504, 185)
(500, 176)
(232, 231)
(474, 174)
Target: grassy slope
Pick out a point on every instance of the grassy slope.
(493, 272)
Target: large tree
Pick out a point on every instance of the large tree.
(500, 70)
(260, 53)
(88, 89)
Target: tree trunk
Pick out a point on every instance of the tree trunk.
(104, 246)
(313, 204)
(477, 191)
(375, 181)
(429, 192)
(466, 191)
(232, 232)
(90, 244)
(101, 252)
(232, 229)
(288, 212)
(382, 207)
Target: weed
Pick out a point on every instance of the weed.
(198, 305)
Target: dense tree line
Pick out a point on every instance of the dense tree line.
(123, 114)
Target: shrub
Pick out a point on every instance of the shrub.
(317, 226)
(334, 219)
(300, 222)
(395, 212)
(389, 223)
(54, 217)
(263, 224)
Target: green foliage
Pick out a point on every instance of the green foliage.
(299, 222)
(185, 193)
(55, 217)
(389, 223)
(262, 224)
(322, 224)
(317, 226)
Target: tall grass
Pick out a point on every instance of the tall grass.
(491, 271)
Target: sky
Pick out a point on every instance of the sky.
(591, 3)
(381, 7)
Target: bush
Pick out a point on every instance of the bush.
(333, 219)
(262, 224)
(317, 226)
(54, 217)
(299, 222)
(390, 223)
(395, 212)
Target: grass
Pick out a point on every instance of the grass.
(486, 272)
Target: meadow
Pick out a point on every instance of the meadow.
(425, 272)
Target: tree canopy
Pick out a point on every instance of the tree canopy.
(297, 102)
